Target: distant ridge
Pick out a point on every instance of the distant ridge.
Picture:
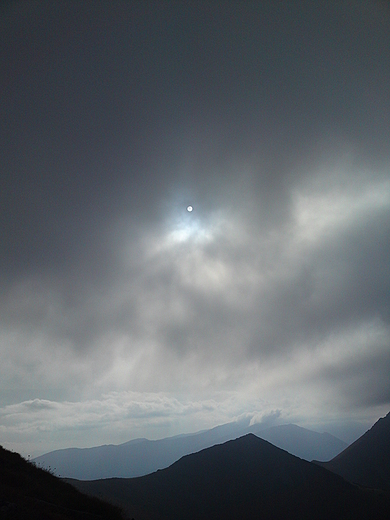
(134, 458)
(247, 479)
(141, 456)
(367, 460)
(301, 442)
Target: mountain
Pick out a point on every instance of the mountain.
(134, 458)
(246, 478)
(141, 456)
(301, 442)
(367, 460)
(30, 493)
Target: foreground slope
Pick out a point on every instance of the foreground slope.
(367, 460)
(141, 456)
(29, 493)
(247, 478)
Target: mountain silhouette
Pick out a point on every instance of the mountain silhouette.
(141, 456)
(247, 478)
(301, 442)
(367, 460)
(30, 493)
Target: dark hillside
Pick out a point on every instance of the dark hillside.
(30, 493)
(247, 478)
(367, 460)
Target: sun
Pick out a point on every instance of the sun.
(189, 208)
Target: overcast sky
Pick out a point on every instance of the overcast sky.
(122, 314)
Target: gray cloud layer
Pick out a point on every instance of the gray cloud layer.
(271, 119)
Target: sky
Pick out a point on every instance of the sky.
(123, 315)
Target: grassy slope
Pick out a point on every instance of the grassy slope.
(28, 492)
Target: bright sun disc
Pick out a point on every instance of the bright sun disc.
(189, 208)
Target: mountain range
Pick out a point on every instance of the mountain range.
(141, 456)
(246, 478)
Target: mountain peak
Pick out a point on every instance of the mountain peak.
(367, 460)
(244, 478)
